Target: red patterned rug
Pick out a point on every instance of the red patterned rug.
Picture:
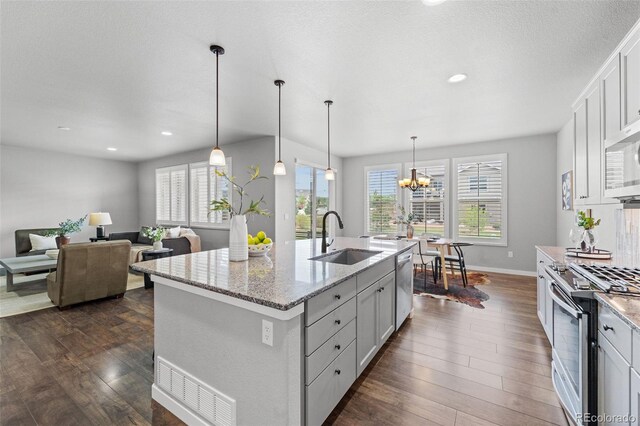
(469, 295)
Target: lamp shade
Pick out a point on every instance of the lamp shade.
(99, 219)
(217, 157)
(279, 169)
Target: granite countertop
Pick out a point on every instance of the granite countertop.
(626, 308)
(282, 279)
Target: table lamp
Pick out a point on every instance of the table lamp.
(99, 219)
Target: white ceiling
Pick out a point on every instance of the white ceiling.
(119, 73)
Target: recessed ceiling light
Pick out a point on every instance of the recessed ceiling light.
(64, 128)
(457, 78)
(433, 2)
(166, 133)
(112, 149)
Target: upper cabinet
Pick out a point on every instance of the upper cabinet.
(587, 147)
(610, 100)
(630, 73)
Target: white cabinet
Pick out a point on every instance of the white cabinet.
(375, 320)
(630, 78)
(610, 101)
(635, 398)
(544, 304)
(580, 154)
(614, 375)
(588, 148)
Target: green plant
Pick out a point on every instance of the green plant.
(67, 227)
(586, 222)
(406, 219)
(224, 204)
(154, 234)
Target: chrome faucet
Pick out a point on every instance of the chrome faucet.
(324, 228)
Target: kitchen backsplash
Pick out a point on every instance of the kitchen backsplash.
(628, 236)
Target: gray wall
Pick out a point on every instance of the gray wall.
(39, 189)
(244, 154)
(531, 195)
(606, 232)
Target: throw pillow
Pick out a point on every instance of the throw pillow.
(38, 242)
(173, 232)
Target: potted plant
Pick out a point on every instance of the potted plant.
(154, 234)
(238, 244)
(408, 220)
(65, 229)
(588, 236)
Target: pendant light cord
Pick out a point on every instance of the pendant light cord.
(279, 122)
(328, 136)
(217, 92)
(414, 151)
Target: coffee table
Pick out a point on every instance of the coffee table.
(22, 264)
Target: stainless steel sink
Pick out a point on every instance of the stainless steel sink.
(346, 257)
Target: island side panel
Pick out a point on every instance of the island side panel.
(221, 345)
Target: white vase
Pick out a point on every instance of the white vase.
(238, 245)
(157, 245)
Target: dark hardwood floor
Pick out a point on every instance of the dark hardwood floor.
(450, 365)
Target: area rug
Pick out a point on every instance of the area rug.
(31, 294)
(469, 295)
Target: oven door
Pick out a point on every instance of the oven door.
(569, 352)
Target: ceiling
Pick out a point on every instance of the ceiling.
(119, 73)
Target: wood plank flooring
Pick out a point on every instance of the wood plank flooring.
(450, 365)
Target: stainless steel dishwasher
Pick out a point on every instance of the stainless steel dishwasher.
(404, 286)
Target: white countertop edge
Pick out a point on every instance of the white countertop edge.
(240, 303)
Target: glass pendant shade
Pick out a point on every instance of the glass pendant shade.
(217, 157)
(329, 174)
(279, 169)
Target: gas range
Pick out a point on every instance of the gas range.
(610, 279)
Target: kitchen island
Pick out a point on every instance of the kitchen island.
(276, 339)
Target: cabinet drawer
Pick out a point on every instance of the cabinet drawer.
(326, 391)
(373, 274)
(329, 350)
(542, 261)
(616, 331)
(636, 350)
(330, 324)
(322, 304)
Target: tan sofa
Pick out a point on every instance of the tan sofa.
(89, 271)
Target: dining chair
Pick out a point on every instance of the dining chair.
(456, 261)
(422, 257)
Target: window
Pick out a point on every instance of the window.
(205, 185)
(480, 201)
(381, 200)
(429, 204)
(313, 200)
(171, 195)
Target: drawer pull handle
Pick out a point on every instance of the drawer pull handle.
(337, 371)
(607, 327)
(540, 261)
(338, 322)
(338, 347)
(337, 296)
(541, 277)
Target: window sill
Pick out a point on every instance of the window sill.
(482, 242)
(212, 227)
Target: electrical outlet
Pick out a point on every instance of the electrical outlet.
(510, 254)
(267, 332)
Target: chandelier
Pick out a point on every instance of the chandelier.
(414, 182)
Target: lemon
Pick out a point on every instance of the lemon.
(250, 240)
(250, 236)
(261, 235)
(267, 241)
(256, 240)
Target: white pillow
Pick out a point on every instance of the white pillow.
(173, 232)
(38, 242)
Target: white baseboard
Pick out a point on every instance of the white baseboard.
(501, 271)
(177, 409)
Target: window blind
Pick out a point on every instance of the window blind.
(205, 185)
(480, 199)
(171, 195)
(428, 204)
(163, 196)
(382, 199)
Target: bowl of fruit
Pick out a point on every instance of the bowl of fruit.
(259, 245)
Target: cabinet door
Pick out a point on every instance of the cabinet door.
(610, 101)
(635, 398)
(366, 322)
(594, 146)
(630, 75)
(613, 381)
(541, 299)
(548, 307)
(580, 156)
(386, 308)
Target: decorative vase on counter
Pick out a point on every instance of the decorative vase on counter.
(62, 240)
(238, 245)
(589, 240)
(409, 231)
(157, 245)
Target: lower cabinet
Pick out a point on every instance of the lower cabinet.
(635, 398)
(614, 374)
(375, 320)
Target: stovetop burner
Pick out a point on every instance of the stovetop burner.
(611, 278)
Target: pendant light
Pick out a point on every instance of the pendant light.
(279, 169)
(217, 156)
(414, 182)
(329, 174)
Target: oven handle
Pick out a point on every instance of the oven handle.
(560, 300)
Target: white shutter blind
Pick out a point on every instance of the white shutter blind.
(179, 195)
(480, 199)
(204, 186)
(163, 197)
(382, 196)
(219, 190)
(429, 203)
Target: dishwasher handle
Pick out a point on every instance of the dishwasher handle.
(405, 258)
